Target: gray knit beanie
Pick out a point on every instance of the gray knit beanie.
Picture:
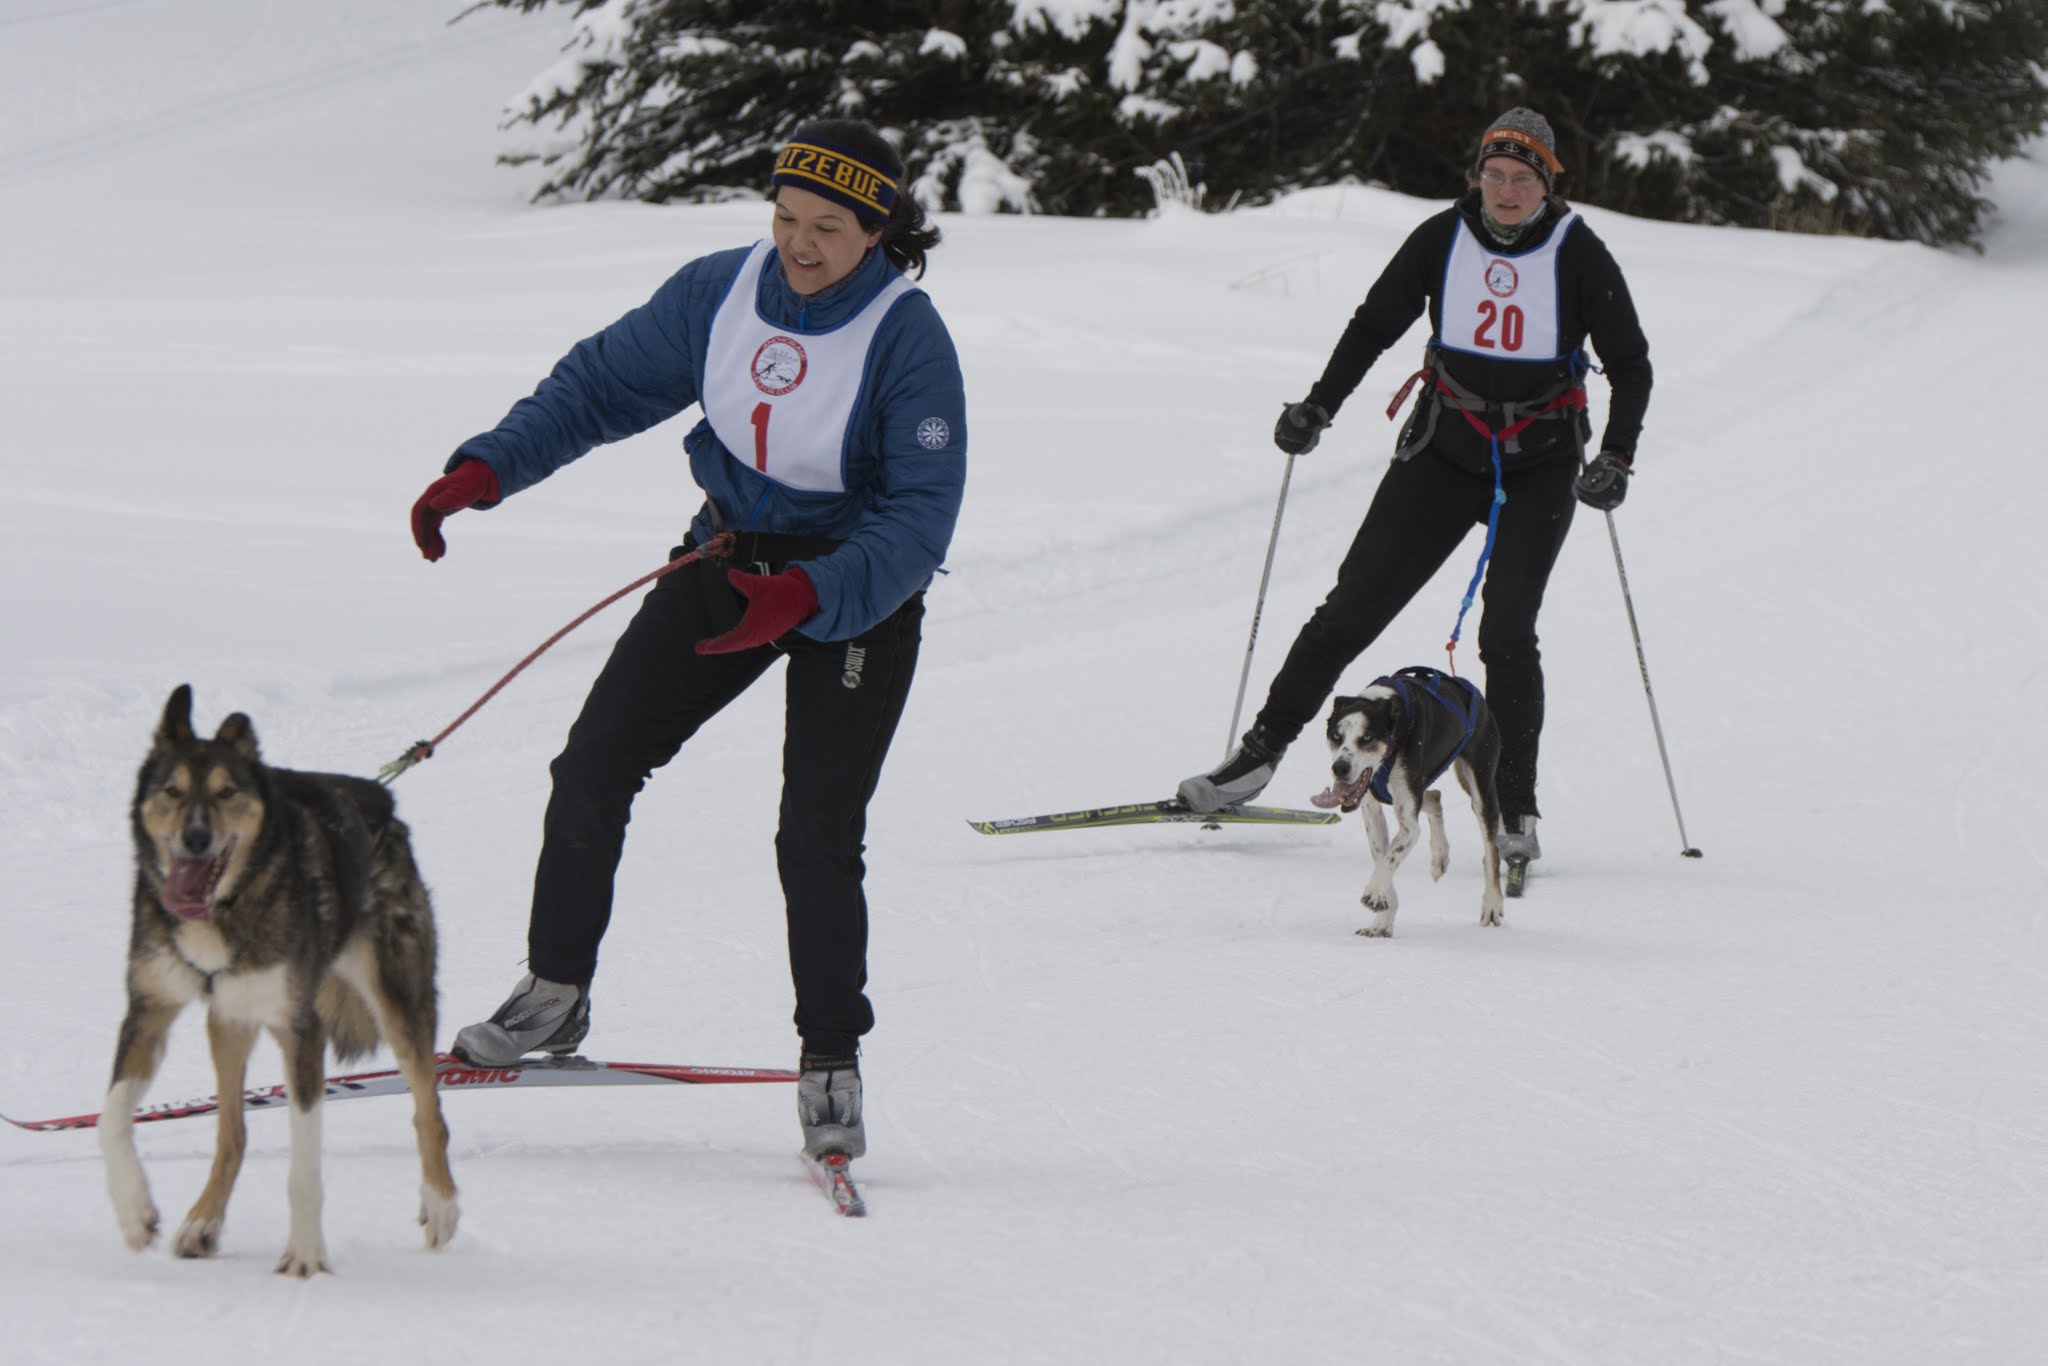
(1524, 135)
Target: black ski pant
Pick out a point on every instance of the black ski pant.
(1423, 511)
(842, 703)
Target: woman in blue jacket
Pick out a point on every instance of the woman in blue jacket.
(833, 443)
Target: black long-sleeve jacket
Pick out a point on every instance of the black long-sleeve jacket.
(1594, 302)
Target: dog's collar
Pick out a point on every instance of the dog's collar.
(205, 977)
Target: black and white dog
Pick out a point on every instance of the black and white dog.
(1392, 742)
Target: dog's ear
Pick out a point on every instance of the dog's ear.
(176, 726)
(239, 731)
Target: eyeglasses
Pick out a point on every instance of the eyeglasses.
(1521, 181)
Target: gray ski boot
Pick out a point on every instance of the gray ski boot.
(538, 1017)
(1240, 778)
(1519, 848)
(828, 1106)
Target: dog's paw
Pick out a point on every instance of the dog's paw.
(136, 1214)
(1491, 912)
(139, 1227)
(134, 1210)
(1375, 932)
(198, 1237)
(304, 1262)
(1380, 899)
(438, 1216)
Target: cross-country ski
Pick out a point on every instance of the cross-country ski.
(832, 1173)
(1169, 812)
(451, 1074)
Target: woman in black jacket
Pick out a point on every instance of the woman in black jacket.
(1515, 284)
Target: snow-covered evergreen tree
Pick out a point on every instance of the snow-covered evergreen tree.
(1874, 117)
(1867, 116)
(660, 99)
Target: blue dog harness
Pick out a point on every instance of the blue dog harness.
(1431, 682)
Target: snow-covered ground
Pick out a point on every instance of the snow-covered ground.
(1136, 1095)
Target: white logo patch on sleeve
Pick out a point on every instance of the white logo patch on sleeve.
(933, 433)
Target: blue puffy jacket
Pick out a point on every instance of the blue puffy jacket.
(896, 518)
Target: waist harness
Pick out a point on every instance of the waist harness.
(1431, 683)
(1513, 416)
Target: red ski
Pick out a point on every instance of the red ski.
(832, 1173)
(452, 1073)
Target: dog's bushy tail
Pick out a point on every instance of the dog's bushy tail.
(351, 1027)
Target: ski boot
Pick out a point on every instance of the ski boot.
(828, 1106)
(1240, 778)
(538, 1017)
(1518, 849)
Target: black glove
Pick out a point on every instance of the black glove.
(1603, 483)
(1300, 427)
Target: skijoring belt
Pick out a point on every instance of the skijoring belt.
(1514, 415)
(771, 552)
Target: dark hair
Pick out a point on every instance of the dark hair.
(906, 234)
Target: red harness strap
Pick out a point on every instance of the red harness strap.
(1574, 398)
(1407, 384)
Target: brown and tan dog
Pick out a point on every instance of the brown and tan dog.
(285, 901)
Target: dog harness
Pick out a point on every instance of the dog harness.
(1431, 683)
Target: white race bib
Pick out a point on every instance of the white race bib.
(782, 400)
(1503, 307)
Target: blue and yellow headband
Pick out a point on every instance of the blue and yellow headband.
(837, 175)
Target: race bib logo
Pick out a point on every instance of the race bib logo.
(933, 433)
(779, 366)
(1501, 279)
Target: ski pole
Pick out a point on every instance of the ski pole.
(1643, 666)
(1259, 609)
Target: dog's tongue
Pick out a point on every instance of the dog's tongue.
(188, 888)
(1346, 795)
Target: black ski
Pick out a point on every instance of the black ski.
(1154, 813)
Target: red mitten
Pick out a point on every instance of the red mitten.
(775, 603)
(466, 485)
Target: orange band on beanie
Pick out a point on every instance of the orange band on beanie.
(1521, 139)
